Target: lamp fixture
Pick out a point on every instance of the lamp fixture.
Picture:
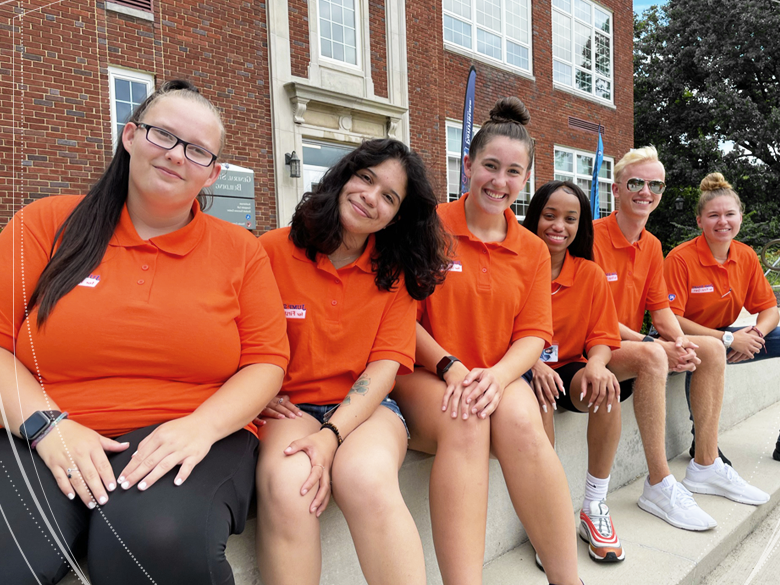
(295, 164)
(679, 203)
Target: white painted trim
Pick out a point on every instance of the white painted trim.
(131, 75)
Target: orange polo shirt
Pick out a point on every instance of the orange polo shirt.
(495, 293)
(338, 321)
(583, 311)
(712, 294)
(157, 327)
(634, 271)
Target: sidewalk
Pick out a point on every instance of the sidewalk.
(657, 553)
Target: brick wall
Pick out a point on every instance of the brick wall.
(378, 28)
(437, 83)
(299, 37)
(55, 135)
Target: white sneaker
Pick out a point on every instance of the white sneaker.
(720, 479)
(670, 501)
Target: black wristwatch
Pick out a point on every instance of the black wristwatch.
(36, 425)
(445, 364)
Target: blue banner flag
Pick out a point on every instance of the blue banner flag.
(468, 126)
(594, 186)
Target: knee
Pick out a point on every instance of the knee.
(364, 483)
(522, 430)
(470, 437)
(711, 352)
(279, 489)
(651, 360)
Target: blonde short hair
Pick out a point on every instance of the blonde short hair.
(636, 155)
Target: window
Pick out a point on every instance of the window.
(582, 47)
(577, 167)
(339, 31)
(126, 90)
(454, 134)
(318, 157)
(498, 29)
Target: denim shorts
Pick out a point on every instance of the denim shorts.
(323, 412)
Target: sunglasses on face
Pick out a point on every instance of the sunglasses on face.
(635, 185)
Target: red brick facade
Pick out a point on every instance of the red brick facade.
(299, 37)
(55, 134)
(376, 16)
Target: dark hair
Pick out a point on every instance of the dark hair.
(508, 117)
(415, 242)
(84, 235)
(582, 245)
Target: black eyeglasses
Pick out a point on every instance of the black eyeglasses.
(635, 185)
(164, 139)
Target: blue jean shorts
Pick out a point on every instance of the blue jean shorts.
(323, 412)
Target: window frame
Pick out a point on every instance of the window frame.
(559, 175)
(522, 199)
(115, 73)
(359, 36)
(472, 51)
(574, 20)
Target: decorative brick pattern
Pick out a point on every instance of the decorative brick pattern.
(378, 31)
(55, 135)
(300, 54)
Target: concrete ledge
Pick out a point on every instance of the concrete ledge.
(650, 543)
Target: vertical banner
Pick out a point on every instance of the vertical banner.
(594, 186)
(468, 125)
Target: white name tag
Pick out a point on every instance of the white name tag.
(295, 311)
(550, 354)
(703, 289)
(91, 281)
(612, 276)
(456, 267)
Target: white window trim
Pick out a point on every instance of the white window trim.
(456, 48)
(452, 154)
(359, 36)
(573, 88)
(136, 76)
(575, 175)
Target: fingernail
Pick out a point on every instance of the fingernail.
(591, 404)
(71, 496)
(142, 486)
(582, 395)
(91, 505)
(121, 479)
(595, 410)
(134, 454)
(111, 487)
(555, 406)
(178, 481)
(544, 408)
(303, 493)
(125, 443)
(564, 392)
(125, 485)
(103, 500)
(288, 449)
(609, 408)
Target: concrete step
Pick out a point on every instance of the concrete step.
(657, 553)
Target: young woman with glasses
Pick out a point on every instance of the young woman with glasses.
(362, 247)
(140, 337)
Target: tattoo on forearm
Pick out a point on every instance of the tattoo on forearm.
(360, 386)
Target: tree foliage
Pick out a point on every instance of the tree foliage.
(706, 78)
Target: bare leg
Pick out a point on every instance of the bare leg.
(603, 431)
(536, 482)
(286, 529)
(707, 396)
(549, 425)
(648, 362)
(459, 479)
(365, 485)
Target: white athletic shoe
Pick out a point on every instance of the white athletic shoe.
(720, 479)
(670, 501)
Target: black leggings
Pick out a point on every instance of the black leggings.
(166, 535)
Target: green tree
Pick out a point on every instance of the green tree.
(706, 78)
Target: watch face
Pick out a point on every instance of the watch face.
(34, 425)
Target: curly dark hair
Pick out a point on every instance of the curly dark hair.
(582, 245)
(415, 242)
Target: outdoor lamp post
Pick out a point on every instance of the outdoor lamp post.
(679, 203)
(295, 164)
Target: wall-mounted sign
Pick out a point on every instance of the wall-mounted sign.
(234, 196)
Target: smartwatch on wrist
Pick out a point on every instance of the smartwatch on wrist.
(445, 364)
(727, 339)
(38, 423)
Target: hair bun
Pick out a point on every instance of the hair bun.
(510, 109)
(178, 84)
(714, 182)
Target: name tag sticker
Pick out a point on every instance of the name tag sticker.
(456, 267)
(550, 354)
(91, 281)
(703, 289)
(612, 276)
(295, 311)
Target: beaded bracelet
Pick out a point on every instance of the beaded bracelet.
(330, 426)
(48, 429)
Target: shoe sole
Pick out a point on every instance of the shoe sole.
(651, 508)
(700, 488)
(611, 556)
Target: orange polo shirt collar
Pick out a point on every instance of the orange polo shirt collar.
(616, 234)
(568, 271)
(178, 243)
(705, 254)
(459, 227)
(323, 262)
